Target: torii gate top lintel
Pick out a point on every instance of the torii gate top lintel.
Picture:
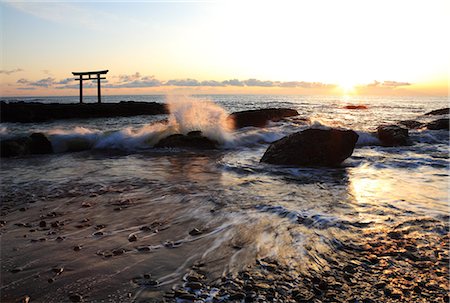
(89, 74)
(101, 72)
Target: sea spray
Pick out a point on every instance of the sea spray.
(186, 114)
(190, 114)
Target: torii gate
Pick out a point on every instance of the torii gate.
(98, 78)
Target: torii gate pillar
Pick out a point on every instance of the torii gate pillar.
(90, 77)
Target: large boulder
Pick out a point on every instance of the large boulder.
(312, 147)
(436, 112)
(37, 143)
(393, 135)
(438, 124)
(193, 140)
(260, 117)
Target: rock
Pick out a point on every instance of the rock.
(442, 111)
(438, 124)
(312, 147)
(40, 112)
(75, 298)
(42, 224)
(36, 143)
(393, 135)
(260, 117)
(411, 124)
(194, 285)
(194, 140)
(132, 238)
(40, 144)
(16, 270)
(15, 147)
(77, 248)
(195, 232)
(359, 106)
(25, 299)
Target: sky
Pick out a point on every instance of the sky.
(192, 47)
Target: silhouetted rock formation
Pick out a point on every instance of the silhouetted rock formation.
(438, 124)
(360, 106)
(393, 135)
(39, 112)
(442, 111)
(193, 140)
(411, 124)
(312, 147)
(37, 143)
(260, 117)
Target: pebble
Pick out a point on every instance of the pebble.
(98, 233)
(118, 251)
(77, 248)
(132, 238)
(58, 270)
(16, 270)
(195, 232)
(25, 299)
(75, 298)
(42, 224)
(143, 248)
(86, 204)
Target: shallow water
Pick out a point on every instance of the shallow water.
(244, 209)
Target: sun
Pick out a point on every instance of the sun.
(347, 87)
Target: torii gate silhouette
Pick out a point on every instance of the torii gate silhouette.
(89, 74)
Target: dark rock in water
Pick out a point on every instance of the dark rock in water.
(312, 147)
(193, 140)
(393, 135)
(15, 147)
(442, 111)
(359, 106)
(40, 144)
(411, 124)
(37, 143)
(438, 124)
(39, 112)
(260, 117)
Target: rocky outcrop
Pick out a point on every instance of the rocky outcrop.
(312, 147)
(39, 112)
(436, 112)
(393, 135)
(260, 117)
(411, 124)
(37, 143)
(438, 124)
(193, 140)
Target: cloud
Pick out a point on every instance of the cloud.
(11, 71)
(387, 84)
(183, 82)
(46, 82)
(137, 80)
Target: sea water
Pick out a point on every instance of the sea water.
(119, 183)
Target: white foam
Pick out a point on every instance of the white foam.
(367, 139)
(186, 114)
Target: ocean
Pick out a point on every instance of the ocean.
(143, 218)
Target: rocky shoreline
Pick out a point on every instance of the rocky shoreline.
(388, 266)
